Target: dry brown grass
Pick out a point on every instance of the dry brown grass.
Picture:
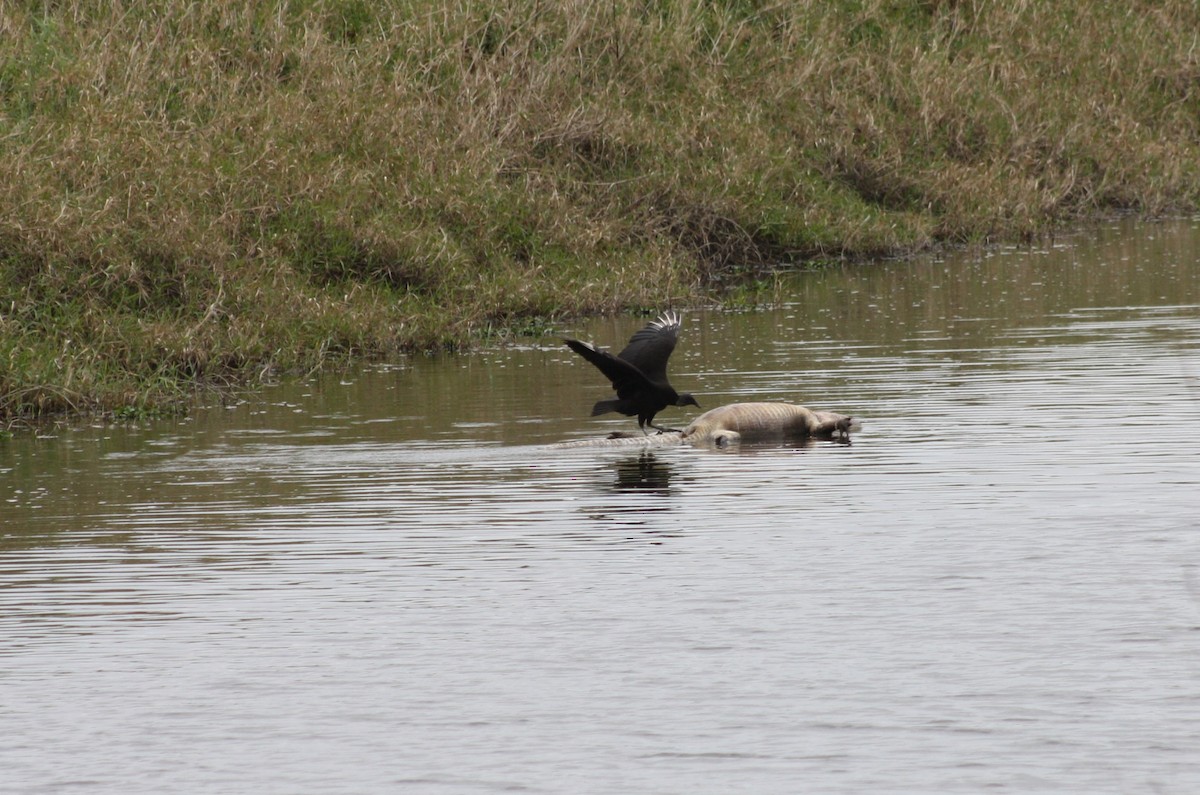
(202, 192)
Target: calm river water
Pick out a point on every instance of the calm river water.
(382, 583)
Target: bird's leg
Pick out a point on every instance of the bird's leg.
(662, 430)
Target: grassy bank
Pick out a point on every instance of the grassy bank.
(207, 192)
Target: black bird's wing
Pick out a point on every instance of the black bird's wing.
(625, 377)
(649, 349)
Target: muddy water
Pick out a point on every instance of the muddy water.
(381, 583)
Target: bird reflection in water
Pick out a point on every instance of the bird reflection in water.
(643, 480)
(644, 473)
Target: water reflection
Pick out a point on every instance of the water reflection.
(643, 473)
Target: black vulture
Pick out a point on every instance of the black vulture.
(639, 373)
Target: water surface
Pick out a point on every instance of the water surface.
(385, 583)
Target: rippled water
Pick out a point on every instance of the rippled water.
(384, 584)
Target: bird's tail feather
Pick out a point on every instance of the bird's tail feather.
(604, 406)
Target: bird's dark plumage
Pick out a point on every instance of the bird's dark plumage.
(639, 372)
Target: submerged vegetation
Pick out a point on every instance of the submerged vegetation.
(198, 193)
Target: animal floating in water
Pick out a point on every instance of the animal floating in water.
(753, 422)
(742, 422)
(639, 372)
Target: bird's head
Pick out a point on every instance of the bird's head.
(686, 399)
